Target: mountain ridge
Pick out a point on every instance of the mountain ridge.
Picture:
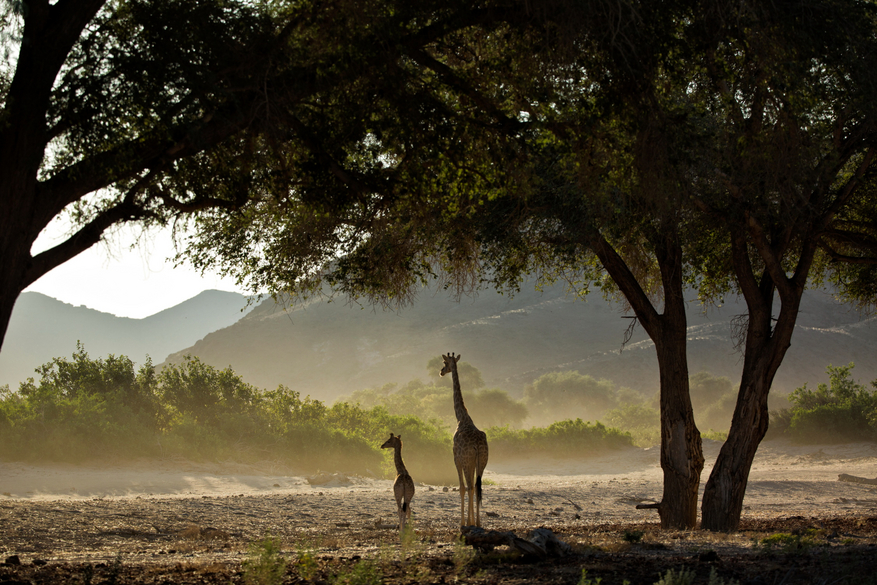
(331, 349)
(42, 328)
(327, 350)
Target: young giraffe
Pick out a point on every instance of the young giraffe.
(470, 449)
(403, 487)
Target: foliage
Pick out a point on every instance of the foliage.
(435, 401)
(567, 438)
(632, 536)
(841, 411)
(306, 562)
(682, 577)
(787, 543)
(153, 111)
(585, 580)
(561, 395)
(641, 421)
(364, 572)
(80, 405)
(713, 399)
(470, 376)
(86, 409)
(463, 555)
(265, 565)
(93, 409)
(490, 406)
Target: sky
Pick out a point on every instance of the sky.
(113, 278)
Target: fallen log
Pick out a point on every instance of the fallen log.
(856, 479)
(542, 542)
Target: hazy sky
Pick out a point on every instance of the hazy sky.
(112, 278)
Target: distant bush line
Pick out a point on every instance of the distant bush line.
(86, 410)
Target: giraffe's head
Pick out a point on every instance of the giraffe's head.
(393, 442)
(450, 362)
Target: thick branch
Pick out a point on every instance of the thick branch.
(846, 258)
(452, 80)
(743, 268)
(87, 236)
(93, 173)
(627, 282)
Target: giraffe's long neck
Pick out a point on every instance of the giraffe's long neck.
(397, 459)
(459, 408)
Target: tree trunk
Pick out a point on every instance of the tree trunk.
(765, 349)
(726, 486)
(12, 267)
(681, 447)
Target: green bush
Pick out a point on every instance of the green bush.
(713, 399)
(841, 411)
(568, 438)
(641, 421)
(80, 409)
(83, 409)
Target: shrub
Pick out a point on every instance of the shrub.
(82, 408)
(713, 399)
(89, 409)
(569, 438)
(264, 566)
(641, 421)
(842, 410)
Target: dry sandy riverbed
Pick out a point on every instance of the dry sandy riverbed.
(177, 522)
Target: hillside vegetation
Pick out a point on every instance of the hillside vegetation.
(87, 410)
(84, 409)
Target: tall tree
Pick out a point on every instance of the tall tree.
(488, 203)
(704, 144)
(149, 110)
(790, 176)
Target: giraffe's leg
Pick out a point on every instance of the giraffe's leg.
(462, 496)
(480, 464)
(476, 492)
(470, 480)
(398, 491)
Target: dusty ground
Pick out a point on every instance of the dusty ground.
(173, 522)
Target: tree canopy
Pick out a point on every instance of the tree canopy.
(373, 147)
(643, 150)
(151, 110)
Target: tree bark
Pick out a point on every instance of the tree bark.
(765, 347)
(724, 491)
(681, 446)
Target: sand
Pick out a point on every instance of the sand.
(168, 512)
(784, 476)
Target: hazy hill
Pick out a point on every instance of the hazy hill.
(327, 349)
(42, 328)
